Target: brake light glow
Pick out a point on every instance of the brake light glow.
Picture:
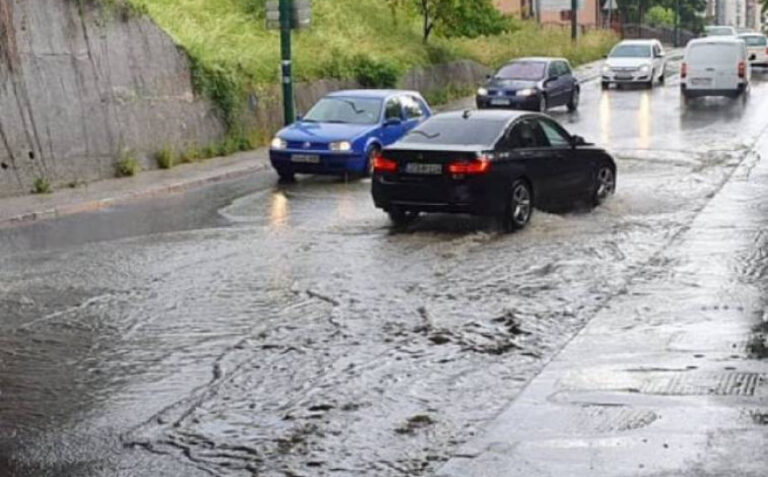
(742, 69)
(684, 71)
(473, 167)
(382, 164)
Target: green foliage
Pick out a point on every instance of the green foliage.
(127, 165)
(633, 11)
(473, 19)
(660, 16)
(165, 157)
(220, 85)
(42, 186)
(192, 153)
(446, 95)
(371, 73)
(366, 70)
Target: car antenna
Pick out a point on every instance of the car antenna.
(467, 114)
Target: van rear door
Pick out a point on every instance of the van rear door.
(713, 66)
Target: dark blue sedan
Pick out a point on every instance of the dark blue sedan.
(535, 84)
(344, 131)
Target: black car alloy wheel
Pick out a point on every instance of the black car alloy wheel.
(605, 184)
(542, 103)
(573, 104)
(519, 207)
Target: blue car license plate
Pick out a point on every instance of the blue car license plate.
(305, 159)
(423, 169)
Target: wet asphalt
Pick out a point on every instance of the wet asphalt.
(249, 328)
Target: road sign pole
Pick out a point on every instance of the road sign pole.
(574, 20)
(286, 65)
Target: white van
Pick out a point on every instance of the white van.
(716, 66)
(757, 48)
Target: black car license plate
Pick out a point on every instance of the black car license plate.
(423, 169)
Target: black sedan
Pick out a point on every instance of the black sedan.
(493, 163)
(535, 84)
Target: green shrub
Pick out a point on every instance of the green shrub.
(219, 85)
(371, 73)
(190, 154)
(42, 186)
(165, 158)
(127, 165)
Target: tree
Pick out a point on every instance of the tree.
(633, 11)
(470, 18)
(660, 16)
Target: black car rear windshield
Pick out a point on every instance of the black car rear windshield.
(456, 131)
(755, 40)
(522, 70)
(631, 51)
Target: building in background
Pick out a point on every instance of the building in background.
(553, 12)
(731, 12)
(754, 15)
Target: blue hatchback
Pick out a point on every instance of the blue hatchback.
(344, 130)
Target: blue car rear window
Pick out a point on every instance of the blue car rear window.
(342, 110)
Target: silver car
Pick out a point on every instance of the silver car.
(635, 61)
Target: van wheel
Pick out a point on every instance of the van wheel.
(605, 85)
(662, 77)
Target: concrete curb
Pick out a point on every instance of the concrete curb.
(91, 205)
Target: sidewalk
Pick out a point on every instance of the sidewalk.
(109, 192)
(667, 380)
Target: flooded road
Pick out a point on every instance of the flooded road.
(254, 329)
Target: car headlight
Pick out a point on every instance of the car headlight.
(482, 92)
(279, 143)
(526, 92)
(644, 69)
(606, 69)
(341, 146)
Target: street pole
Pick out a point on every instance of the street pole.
(574, 20)
(677, 23)
(286, 65)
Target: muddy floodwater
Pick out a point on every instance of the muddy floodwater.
(254, 329)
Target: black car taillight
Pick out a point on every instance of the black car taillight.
(383, 164)
(474, 167)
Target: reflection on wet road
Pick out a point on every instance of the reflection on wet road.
(253, 329)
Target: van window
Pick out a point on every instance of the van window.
(714, 54)
(755, 40)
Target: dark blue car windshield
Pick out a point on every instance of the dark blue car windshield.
(345, 111)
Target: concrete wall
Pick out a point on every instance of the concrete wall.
(80, 84)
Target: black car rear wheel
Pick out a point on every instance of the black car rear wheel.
(605, 185)
(519, 207)
(402, 218)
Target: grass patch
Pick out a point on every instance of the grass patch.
(127, 165)
(165, 158)
(42, 186)
(446, 95)
(230, 44)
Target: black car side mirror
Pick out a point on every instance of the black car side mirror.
(577, 141)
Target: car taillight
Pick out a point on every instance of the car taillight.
(473, 167)
(684, 71)
(382, 164)
(742, 69)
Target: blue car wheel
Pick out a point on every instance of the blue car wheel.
(370, 155)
